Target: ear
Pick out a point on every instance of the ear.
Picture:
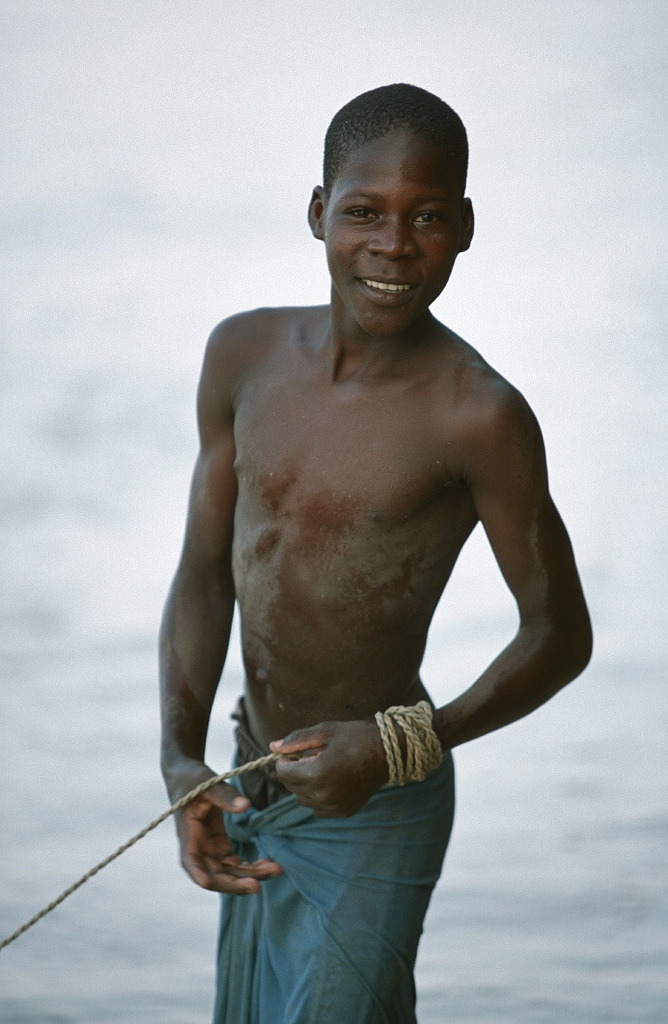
(316, 210)
(468, 224)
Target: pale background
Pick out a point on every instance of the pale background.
(157, 159)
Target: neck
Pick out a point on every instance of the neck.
(351, 350)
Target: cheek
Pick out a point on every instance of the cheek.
(340, 255)
(444, 275)
(442, 256)
(332, 265)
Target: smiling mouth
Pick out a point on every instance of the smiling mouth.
(385, 286)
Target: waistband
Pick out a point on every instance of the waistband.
(260, 785)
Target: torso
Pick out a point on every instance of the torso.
(347, 526)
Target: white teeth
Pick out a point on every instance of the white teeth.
(385, 286)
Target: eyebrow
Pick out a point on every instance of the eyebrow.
(364, 196)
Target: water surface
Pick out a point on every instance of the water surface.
(157, 170)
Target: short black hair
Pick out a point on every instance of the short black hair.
(394, 108)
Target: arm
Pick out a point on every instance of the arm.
(504, 463)
(194, 638)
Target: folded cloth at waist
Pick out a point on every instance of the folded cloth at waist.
(333, 940)
(260, 785)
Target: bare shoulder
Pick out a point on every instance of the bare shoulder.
(240, 342)
(492, 427)
(236, 348)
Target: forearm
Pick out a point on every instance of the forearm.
(194, 638)
(540, 660)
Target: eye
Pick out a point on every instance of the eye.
(359, 213)
(427, 217)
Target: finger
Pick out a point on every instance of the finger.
(223, 881)
(251, 869)
(198, 870)
(217, 872)
(237, 878)
(300, 740)
(296, 774)
(227, 798)
(301, 773)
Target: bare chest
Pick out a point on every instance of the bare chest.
(334, 460)
(347, 526)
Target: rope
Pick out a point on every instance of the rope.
(423, 750)
(188, 798)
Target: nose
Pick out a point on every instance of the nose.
(392, 239)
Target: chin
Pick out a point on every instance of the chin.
(390, 326)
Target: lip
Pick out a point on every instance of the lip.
(385, 289)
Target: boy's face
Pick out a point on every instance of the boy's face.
(393, 225)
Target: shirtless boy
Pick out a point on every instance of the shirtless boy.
(347, 452)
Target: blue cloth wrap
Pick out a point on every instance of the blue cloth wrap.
(333, 940)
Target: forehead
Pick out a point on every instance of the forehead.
(397, 157)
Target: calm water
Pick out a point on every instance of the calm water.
(153, 183)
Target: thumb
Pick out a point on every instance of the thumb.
(223, 796)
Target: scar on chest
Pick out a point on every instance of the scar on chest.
(275, 487)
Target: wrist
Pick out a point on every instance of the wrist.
(412, 748)
(376, 753)
(182, 774)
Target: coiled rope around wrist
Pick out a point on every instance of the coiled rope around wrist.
(423, 750)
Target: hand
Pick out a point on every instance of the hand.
(344, 766)
(207, 854)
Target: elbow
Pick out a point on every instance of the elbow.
(583, 646)
(582, 636)
(575, 642)
(562, 646)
